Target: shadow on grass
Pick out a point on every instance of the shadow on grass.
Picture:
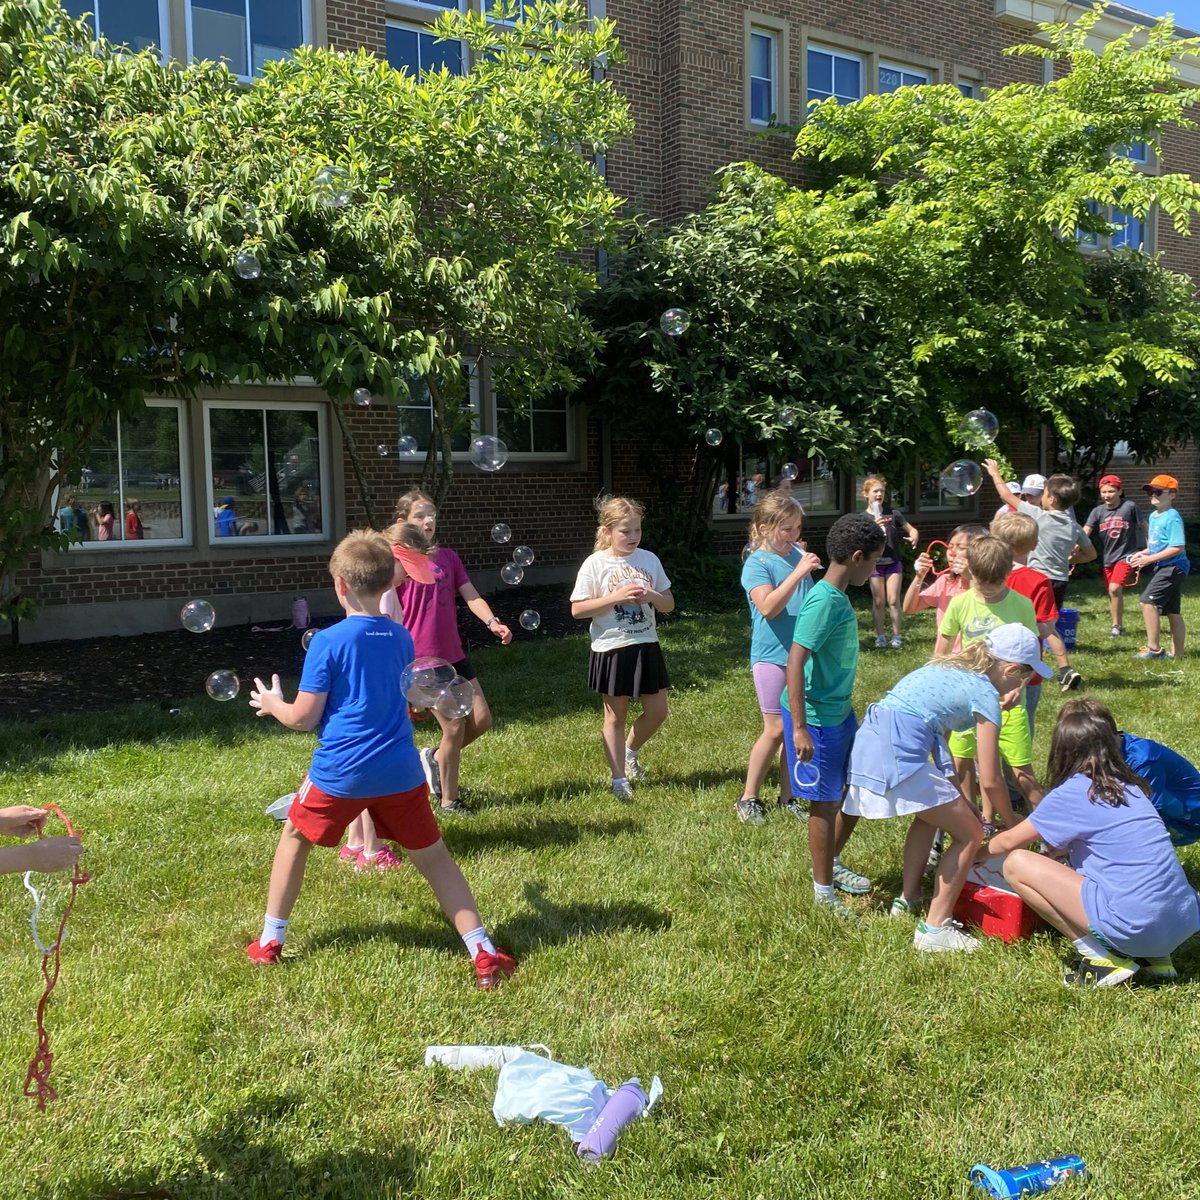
(466, 841)
(241, 1162)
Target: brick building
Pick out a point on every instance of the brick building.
(704, 80)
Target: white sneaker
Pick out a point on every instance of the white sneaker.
(433, 776)
(623, 790)
(897, 642)
(948, 936)
(634, 769)
(881, 642)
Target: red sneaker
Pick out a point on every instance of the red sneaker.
(348, 855)
(491, 970)
(264, 956)
(385, 860)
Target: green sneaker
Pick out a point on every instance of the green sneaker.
(1158, 970)
(1101, 972)
(905, 908)
(851, 882)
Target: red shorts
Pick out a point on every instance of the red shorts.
(403, 817)
(1120, 573)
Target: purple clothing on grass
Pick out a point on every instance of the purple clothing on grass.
(430, 609)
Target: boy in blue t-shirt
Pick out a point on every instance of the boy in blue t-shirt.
(1165, 552)
(365, 760)
(818, 719)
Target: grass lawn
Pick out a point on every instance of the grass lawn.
(800, 1057)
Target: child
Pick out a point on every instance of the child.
(1165, 552)
(1124, 900)
(889, 573)
(1120, 532)
(891, 774)
(46, 854)
(1015, 487)
(1061, 542)
(225, 517)
(105, 516)
(365, 759)
(776, 576)
(989, 603)
(620, 587)
(948, 584)
(818, 719)
(135, 531)
(431, 615)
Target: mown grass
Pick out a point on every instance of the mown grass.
(799, 1056)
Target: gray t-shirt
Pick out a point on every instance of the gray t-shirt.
(1058, 534)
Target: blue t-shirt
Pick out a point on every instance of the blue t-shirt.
(366, 739)
(226, 522)
(947, 699)
(1174, 785)
(771, 640)
(827, 629)
(1135, 894)
(1166, 529)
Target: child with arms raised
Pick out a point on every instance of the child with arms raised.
(776, 576)
(365, 759)
(1123, 900)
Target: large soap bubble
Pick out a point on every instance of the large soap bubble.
(714, 437)
(789, 471)
(362, 397)
(223, 685)
(787, 417)
(198, 616)
(488, 453)
(530, 619)
(501, 533)
(306, 639)
(523, 556)
(512, 573)
(332, 187)
(246, 264)
(978, 426)
(407, 446)
(674, 322)
(962, 478)
(423, 679)
(456, 699)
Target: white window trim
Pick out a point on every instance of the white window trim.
(415, 25)
(97, 7)
(1104, 241)
(477, 424)
(888, 64)
(863, 60)
(306, 33)
(489, 420)
(777, 31)
(326, 444)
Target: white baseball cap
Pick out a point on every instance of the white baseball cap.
(1015, 643)
(1015, 487)
(1034, 483)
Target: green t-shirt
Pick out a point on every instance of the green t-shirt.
(973, 617)
(826, 627)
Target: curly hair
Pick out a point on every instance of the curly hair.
(850, 533)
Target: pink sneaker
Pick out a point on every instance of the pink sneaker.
(264, 956)
(385, 860)
(349, 854)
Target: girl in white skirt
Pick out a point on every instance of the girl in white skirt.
(901, 766)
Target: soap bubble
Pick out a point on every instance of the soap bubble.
(523, 556)
(501, 533)
(789, 471)
(962, 478)
(787, 417)
(382, 450)
(223, 685)
(488, 453)
(332, 187)
(714, 437)
(306, 639)
(456, 699)
(674, 322)
(362, 397)
(246, 264)
(512, 573)
(198, 616)
(423, 679)
(250, 215)
(407, 446)
(530, 619)
(977, 426)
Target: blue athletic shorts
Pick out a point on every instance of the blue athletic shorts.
(831, 756)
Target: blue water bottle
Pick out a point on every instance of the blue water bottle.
(1030, 1180)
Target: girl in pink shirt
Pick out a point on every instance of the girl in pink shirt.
(937, 594)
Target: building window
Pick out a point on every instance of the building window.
(138, 24)
(1129, 232)
(131, 486)
(892, 77)
(245, 34)
(749, 471)
(494, 10)
(1138, 152)
(967, 89)
(415, 416)
(267, 470)
(933, 498)
(834, 73)
(541, 429)
(414, 49)
(764, 76)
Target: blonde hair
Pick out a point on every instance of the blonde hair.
(611, 510)
(772, 512)
(1016, 530)
(872, 481)
(990, 560)
(974, 657)
(363, 558)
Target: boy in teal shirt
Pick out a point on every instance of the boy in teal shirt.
(818, 719)
(1166, 553)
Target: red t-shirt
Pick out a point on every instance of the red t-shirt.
(133, 527)
(1037, 587)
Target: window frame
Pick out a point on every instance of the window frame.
(758, 450)
(96, 8)
(422, 30)
(477, 423)
(966, 506)
(757, 24)
(307, 37)
(888, 64)
(860, 58)
(489, 423)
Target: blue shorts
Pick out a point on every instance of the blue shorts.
(831, 756)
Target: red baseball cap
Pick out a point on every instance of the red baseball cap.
(1111, 481)
(1162, 481)
(416, 564)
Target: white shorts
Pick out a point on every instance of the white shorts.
(924, 789)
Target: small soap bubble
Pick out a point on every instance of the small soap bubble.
(223, 685)
(362, 397)
(789, 471)
(382, 450)
(306, 639)
(523, 556)
(512, 574)
(501, 533)
(407, 446)
(978, 426)
(530, 619)
(198, 616)
(332, 187)
(488, 453)
(714, 437)
(962, 478)
(250, 215)
(674, 322)
(787, 417)
(246, 264)
(456, 699)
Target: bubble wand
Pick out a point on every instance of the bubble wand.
(37, 1078)
(936, 571)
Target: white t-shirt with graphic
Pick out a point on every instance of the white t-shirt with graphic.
(627, 624)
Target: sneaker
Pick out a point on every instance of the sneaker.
(1069, 679)
(880, 642)
(491, 970)
(836, 908)
(750, 810)
(1117, 631)
(349, 854)
(905, 908)
(634, 769)
(1158, 970)
(385, 860)
(1146, 652)
(623, 790)
(793, 808)
(846, 880)
(950, 935)
(433, 776)
(456, 808)
(990, 829)
(264, 956)
(897, 642)
(1101, 972)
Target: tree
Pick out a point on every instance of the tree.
(168, 229)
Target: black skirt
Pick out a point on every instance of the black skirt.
(629, 671)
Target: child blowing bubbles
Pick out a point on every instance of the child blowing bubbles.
(889, 571)
(620, 587)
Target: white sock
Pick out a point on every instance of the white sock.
(478, 940)
(823, 892)
(274, 930)
(369, 857)
(1089, 947)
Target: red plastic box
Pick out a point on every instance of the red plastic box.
(987, 903)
